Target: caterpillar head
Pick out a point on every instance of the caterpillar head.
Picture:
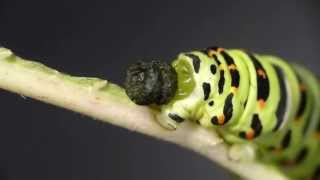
(150, 82)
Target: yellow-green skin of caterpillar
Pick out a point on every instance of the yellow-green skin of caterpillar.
(254, 99)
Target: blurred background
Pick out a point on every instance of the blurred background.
(101, 38)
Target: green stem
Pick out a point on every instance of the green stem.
(108, 102)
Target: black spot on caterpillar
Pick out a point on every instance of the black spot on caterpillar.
(196, 62)
(213, 69)
(302, 155)
(221, 81)
(283, 99)
(228, 108)
(286, 140)
(262, 79)
(176, 117)
(206, 90)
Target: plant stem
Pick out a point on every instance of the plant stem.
(108, 102)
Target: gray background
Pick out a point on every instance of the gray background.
(100, 38)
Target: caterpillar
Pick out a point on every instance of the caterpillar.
(249, 99)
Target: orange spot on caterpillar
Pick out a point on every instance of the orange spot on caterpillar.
(221, 120)
(250, 134)
(317, 135)
(212, 53)
(297, 119)
(219, 50)
(261, 103)
(232, 67)
(234, 89)
(302, 87)
(262, 73)
(288, 162)
(277, 150)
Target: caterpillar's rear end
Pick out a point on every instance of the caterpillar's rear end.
(249, 99)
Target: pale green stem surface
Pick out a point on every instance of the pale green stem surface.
(108, 102)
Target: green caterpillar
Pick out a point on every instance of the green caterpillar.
(250, 99)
